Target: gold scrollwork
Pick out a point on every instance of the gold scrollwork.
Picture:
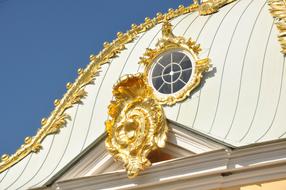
(169, 42)
(278, 11)
(137, 124)
(212, 6)
(75, 91)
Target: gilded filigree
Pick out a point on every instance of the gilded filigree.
(171, 42)
(137, 124)
(278, 11)
(212, 6)
(75, 91)
(57, 120)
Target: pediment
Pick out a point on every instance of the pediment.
(220, 169)
(181, 143)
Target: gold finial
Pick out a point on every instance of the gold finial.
(92, 57)
(147, 19)
(133, 26)
(119, 34)
(44, 121)
(56, 102)
(106, 44)
(79, 71)
(68, 85)
(159, 17)
(167, 29)
(208, 7)
(27, 140)
(4, 157)
(196, 2)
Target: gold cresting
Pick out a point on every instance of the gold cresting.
(208, 7)
(169, 42)
(75, 91)
(137, 124)
(278, 11)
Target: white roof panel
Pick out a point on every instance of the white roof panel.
(241, 101)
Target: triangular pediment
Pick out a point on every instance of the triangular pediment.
(97, 160)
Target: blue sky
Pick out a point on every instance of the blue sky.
(44, 42)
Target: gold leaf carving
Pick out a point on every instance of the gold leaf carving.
(171, 42)
(212, 6)
(278, 11)
(76, 93)
(57, 120)
(137, 124)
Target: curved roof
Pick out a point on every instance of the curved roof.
(241, 101)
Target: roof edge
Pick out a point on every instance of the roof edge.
(76, 92)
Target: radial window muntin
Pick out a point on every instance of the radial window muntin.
(175, 79)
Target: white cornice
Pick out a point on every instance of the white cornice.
(181, 143)
(216, 169)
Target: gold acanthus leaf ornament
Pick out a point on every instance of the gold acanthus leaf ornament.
(170, 42)
(137, 124)
(75, 91)
(208, 7)
(278, 11)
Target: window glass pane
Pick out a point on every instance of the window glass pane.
(171, 72)
(178, 85)
(177, 57)
(186, 75)
(186, 63)
(165, 89)
(157, 71)
(165, 60)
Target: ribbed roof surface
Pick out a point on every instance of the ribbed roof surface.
(241, 101)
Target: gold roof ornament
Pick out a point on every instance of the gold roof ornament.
(212, 6)
(168, 43)
(278, 10)
(137, 124)
(76, 92)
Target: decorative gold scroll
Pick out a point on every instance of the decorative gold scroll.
(212, 6)
(137, 124)
(57, 119)
(75, 91)
(169, 42)
(278, 11)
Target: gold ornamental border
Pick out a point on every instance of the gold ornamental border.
(170, 42)
(208, 7)
(75, 91)
(137, 123)
(278, 11)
